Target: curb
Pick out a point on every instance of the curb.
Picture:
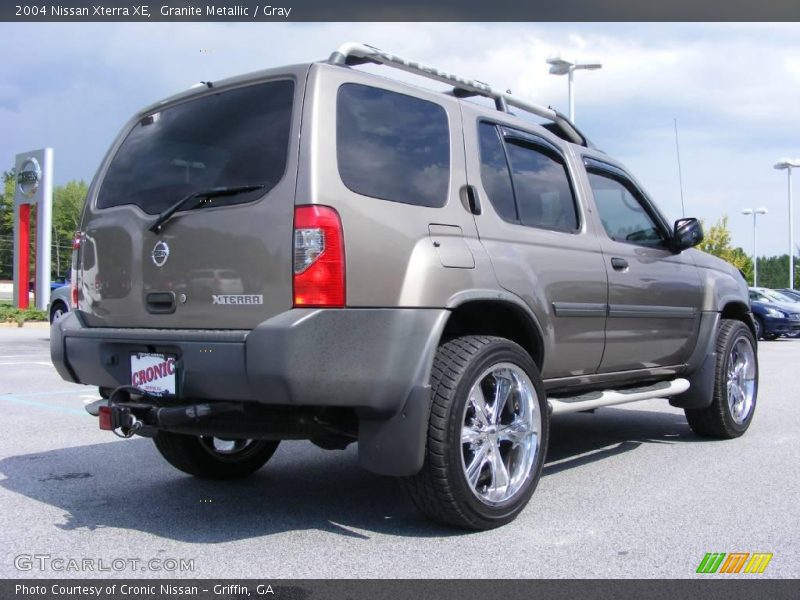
(27, 325)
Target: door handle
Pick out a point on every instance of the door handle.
(473, 202)
(619, 264)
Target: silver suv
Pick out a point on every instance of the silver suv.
(316, 252)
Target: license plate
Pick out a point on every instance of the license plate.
(154, 373)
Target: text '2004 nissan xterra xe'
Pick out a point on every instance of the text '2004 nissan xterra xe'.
(316, 252)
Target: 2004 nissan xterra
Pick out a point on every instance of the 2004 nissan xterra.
(316, 252)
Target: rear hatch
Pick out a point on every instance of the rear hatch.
(223, 260)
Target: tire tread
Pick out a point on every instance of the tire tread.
(713, 421)
(430, 490)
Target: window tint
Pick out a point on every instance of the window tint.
(495, 176)
(236, 137)
(623, 216)
(88, 253)
(392, 146)
(543, 192)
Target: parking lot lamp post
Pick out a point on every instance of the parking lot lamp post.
(559, 66)
(755, 212)
(789, 164)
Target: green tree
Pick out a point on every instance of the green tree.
(67, 206)
(717, 241)
(773, 271)
(7, 225)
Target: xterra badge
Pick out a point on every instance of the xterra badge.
(237, 299)
(160, 253)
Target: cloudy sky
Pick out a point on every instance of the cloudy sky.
(733, 88)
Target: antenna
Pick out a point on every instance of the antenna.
(680, 175)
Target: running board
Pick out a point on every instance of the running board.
(592, 400)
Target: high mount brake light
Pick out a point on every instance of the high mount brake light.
(318, 257)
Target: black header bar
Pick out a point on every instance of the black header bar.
(397, 589)
(399, 10)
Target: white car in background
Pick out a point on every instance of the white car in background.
(59, 302)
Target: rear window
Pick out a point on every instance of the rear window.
(232, 138)
(392, 146)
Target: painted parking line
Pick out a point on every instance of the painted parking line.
(44, 405)
(16, 364)
(74, 392)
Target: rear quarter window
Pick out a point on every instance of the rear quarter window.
(392, 146)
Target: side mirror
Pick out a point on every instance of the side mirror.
(687, 234)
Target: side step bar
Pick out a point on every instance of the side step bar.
(591, 400)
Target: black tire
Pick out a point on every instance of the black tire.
(771, 337)
(759, 328)
(197, 456)
(57, 310)
(441, 490)
(718, 419)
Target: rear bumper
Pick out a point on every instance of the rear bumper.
(376, 361)
(369, 359)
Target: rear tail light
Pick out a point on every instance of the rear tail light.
(74, 282)
(318, 257)
(106, 418)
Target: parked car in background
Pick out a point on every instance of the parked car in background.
(775, 314)
(793, 294)
(59, 303)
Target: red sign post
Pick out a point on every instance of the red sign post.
(34, 174)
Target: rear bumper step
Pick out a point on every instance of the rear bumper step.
(582, 402)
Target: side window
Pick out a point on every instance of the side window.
(88, 253)
(542, 188)
(622, 214)
(495, 175)
(392, 146)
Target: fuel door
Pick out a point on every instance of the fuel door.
(450, 246)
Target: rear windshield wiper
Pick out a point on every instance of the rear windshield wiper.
(199, 197)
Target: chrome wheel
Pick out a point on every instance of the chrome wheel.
(500, 433)
(741, 379)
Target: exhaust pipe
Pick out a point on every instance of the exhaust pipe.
(176, 416)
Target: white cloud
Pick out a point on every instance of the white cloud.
(734, 89)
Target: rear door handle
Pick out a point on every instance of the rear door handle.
(619, 264)
(473, 202)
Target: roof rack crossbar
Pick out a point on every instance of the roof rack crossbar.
(353, 53)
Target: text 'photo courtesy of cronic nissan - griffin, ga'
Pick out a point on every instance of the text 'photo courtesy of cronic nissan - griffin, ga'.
(340, 256)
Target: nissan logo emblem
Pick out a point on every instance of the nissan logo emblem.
(160, 253)
(29, 177)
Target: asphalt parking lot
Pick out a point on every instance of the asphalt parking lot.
(626, 492)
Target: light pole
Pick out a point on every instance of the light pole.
(789, 164)
(559, 66)
(755, 212)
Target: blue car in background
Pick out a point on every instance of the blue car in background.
(793, 294)
(775, 314)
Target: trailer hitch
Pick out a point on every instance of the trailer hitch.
(127, 417)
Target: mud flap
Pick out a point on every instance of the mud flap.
(701, 389)
(396, 446)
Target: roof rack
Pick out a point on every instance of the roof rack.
(355, 54)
